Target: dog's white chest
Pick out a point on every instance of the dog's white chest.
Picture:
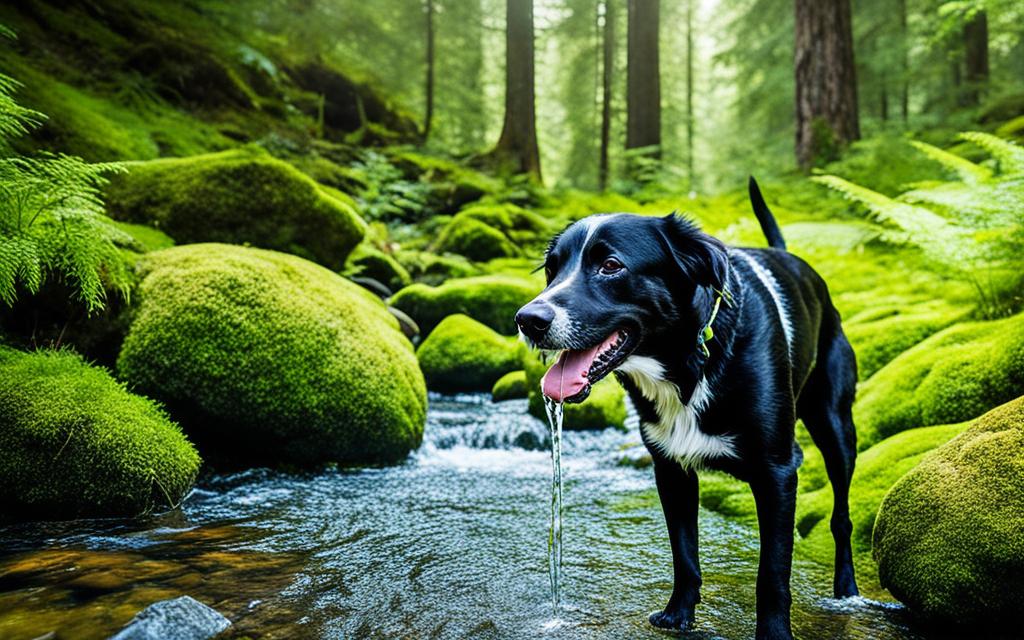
(677, 432)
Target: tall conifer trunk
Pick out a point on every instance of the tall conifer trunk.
(518, 141)
(643, 96)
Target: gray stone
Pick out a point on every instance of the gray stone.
(183, 618)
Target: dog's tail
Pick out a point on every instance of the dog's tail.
(769, 227)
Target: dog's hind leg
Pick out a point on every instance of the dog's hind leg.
(678, 490)
(825, 407)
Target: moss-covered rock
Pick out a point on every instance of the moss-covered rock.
(463, 355)
(492, 300)
(474, 239)
(367, 261)
(76, 444)
(880, 334)
(432, 269)
(605, 407)
(948, 538)
(953, 376)
(243, 196)
(265, 357)
(878, 469)
(510, 386)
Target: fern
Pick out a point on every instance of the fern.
(969, 172)
(52, 221)
(1009, 155)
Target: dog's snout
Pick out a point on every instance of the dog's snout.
(535, 319)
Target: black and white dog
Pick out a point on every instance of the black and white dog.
(721, 350)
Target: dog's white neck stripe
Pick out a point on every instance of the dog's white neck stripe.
(676, 433)
(772, 285)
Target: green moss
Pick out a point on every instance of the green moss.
(957, 374)
(605, 407)
(725, 494)
(475, 240)
(146, 238)
(492, 300)
(883, 333)
(241, 196)
(266, 357)
(948, 538)
(877, 470)
(77, 444)
(510, 386)
(463, 355)
(431, 269)
(368, 261)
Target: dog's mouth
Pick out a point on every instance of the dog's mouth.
(576, 371)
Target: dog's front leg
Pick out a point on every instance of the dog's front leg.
(680, 498)
(775, 495)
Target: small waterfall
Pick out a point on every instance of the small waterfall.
(554, 411)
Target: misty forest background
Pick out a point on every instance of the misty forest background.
(242, 234)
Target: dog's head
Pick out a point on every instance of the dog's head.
(615, 282)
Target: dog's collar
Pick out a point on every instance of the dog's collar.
(707, 334)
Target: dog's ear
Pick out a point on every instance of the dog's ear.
(700, 258)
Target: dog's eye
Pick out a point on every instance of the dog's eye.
(610, 265)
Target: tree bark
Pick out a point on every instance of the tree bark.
(607, 77)
(690, 118)
(518, 141)
(428, 117)
(904, 63)
(976, 57)
(826, 80)
(643, 95)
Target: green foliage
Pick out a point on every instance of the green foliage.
(605, 407)
(239, 196)
(947, 540)
(510, 386)
(268, 358)
(492, 300)
(51, 218)
(76, 444)
(956, 374)
(463, 355)
(972, 228)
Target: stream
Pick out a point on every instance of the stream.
(450, 544)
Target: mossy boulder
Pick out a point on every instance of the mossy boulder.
(953, 376)
(475, 240)
(879, 335)
(367, 261)
(510, 386)
(461, 354)
(878, 469)
(269, 358)
(76, 444)
(243, 196)
(432, 269)
(605, 407)
(948, 538)
(492, 300)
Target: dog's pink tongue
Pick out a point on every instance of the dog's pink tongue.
(568, 376)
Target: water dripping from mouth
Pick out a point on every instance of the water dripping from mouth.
(555, 412)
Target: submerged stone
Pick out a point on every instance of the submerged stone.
(183, 618)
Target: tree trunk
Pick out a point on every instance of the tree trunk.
(976, 57)
(826, 80)
(608, 69)
(518, 141)
(904, 64)
(690, 118)
(428, 118)
(883, 102)
(643, 90)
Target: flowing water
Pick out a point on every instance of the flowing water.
(555, 414)
(448, 545)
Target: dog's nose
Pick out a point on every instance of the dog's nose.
(535, 319)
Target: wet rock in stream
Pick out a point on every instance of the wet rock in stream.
(183, 618)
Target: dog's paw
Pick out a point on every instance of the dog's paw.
(672, 620)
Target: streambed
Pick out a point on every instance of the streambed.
(451, 544)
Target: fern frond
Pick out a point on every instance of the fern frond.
(992, 205)
(967, 171)
(1010, 156)
(904, 216)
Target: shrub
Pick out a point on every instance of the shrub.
(953, 376)
(242, 197)
(266, 357)
(77, 444)
(492, 300)
(605, 407)
(510, 386)
(948, 538)
(463, 355)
